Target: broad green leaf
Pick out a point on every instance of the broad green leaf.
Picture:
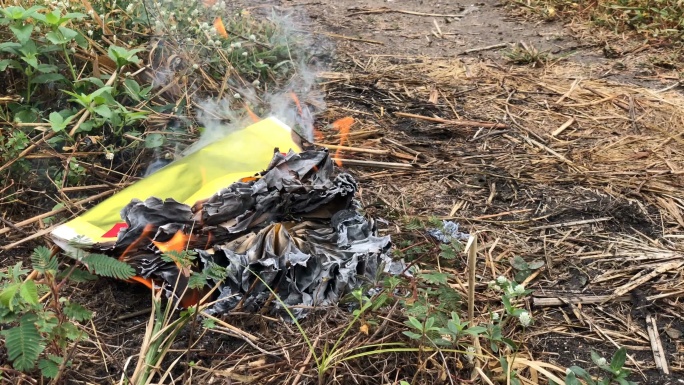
(103, 110)
(29, 292)
(618, 360)
(48, 78)
(56, 38)
(46, 68)
(22, 32)
(100, 91)
(412, 335)
(53, 17)
(7, 295)
(10, 47)
(416, 323)
(429, 323)
(68, 33)
(4, 63)
(98, 82)
(74, 15)
(32, 60)
(154, 140)
(475, 330)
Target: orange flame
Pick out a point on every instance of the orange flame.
(220, 28)
(178, 242)
(255, 118)
(342, 126)
(297, 103)
(145, 234)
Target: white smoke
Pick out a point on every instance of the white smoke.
(222, 117)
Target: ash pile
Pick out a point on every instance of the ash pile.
(294, 229)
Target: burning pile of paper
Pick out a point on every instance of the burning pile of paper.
(295, 225)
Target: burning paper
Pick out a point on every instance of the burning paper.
(295, 225)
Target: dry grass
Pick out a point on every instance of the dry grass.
(580, 173)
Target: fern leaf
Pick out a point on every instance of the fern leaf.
(49, 367)
(197, 281)
(107, 266)
(78, 276)
(24, 343)
(43, 260)
(77, 312)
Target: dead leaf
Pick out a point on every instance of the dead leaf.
(364, 328)
(673, 333)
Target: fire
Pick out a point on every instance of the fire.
(255, 118)
(145, 234)
(178, 242)
(342, 126)
(220, 28)
(297, 103)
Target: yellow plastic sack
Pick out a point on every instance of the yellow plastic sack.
(195, 177)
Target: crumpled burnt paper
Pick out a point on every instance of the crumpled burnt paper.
(296, 225)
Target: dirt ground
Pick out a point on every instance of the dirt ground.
(575, 162)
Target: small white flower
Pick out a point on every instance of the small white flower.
(256, 83)
(568, 371)
(210, 42)
(36, 30)
(252, 37)
(501, 280)
(173, 28)
(109, 155)
(497, 287)
(172, 14)
(129, 8)
(520, 289)
(491, 284)
(72, 49)
(194, 12)
(195, 66)
(495, 316)
(245, 54)
(90, 32)
(237, 96)
(237, 45)
(163, 12)
(127, 74)
(229, 49)
(470, 355)
(601, 361)
(525, 319)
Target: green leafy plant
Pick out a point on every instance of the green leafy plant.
(43, 335)
(524, 269)
(613, 372)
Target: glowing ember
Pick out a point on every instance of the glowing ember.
(342, 126)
